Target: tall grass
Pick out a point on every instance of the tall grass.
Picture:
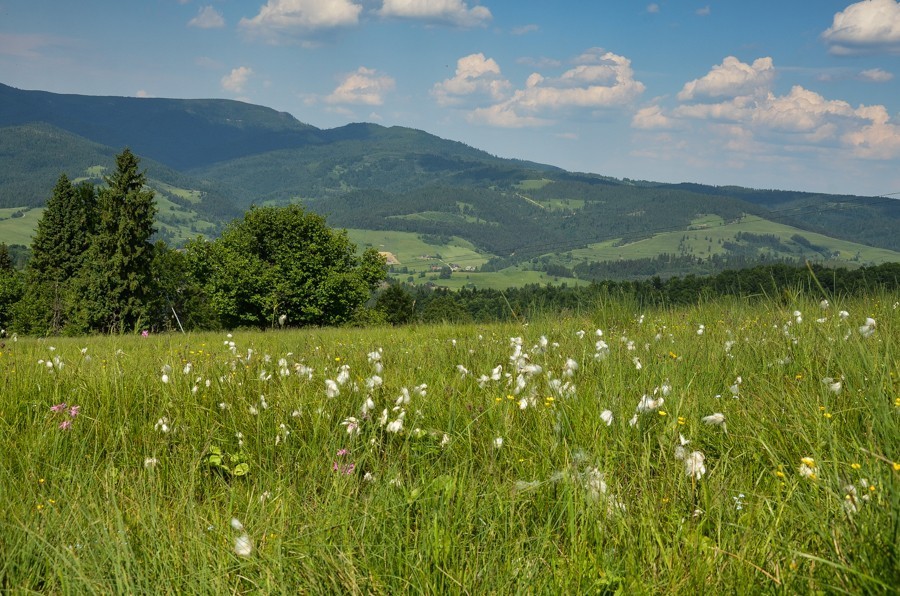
(131, 497)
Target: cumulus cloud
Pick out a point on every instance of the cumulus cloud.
(504, 116)
(365, 86)
(607, 82)
(237, 79)
(279, 20)
(703, 12)
(443, 12)
(801, 118)
(650, 118)
(476, 78)
(875, 75)
(870, 26)
(653, 8)
(732, 78)
(207, 18)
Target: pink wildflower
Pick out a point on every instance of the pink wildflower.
(65, 425)
(145, 333)
(58, 407)
(74, 411)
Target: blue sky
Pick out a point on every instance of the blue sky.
(791, 94)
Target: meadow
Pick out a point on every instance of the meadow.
(729, 447)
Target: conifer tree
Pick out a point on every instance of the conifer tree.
(10, 286)
(6, 262)
(117, 282)
(58, 251)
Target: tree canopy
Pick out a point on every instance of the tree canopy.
(284, 264)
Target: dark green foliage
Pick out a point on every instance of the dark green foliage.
(764, 281)
(397, 304)
(117, 283)
(10, 286)
(179, 302)
(58, 253)
(6, 261)
(284, 262)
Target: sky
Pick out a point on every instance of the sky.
(788, 94)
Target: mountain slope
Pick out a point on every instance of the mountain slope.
(209, 160)
(180, 133)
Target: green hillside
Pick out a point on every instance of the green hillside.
(209, 160)
(180, 133)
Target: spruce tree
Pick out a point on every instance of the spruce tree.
(58, 251)
(117, 282)
(6, 262)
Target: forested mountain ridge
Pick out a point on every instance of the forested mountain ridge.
(209, 160)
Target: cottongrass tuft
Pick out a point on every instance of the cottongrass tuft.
(717, 419)
(694, 466)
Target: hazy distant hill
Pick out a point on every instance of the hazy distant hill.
(210, 159)
(180, 133)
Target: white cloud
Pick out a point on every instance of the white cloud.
(366, 86)
(475, 76)
(870, 26)
(879, 140)
(504, 116)
(608, 82)
(237, 79)
(445, 12)
(651, 118)
(750, 123)
(207, 18)
(732, 78)
(703, 12)
(284, 19)
(875, 75)
(653, 8)
(142, 93)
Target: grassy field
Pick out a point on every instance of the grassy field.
(19, 230)
(707, 234)
(730, 447)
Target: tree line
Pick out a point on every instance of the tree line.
(780, 282)
(94, 267)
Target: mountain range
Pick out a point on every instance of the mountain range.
(415, 195)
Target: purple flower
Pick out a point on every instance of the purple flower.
(342, 452)
(58, 408)
(65, 425)
(74, 411)
(145, 333)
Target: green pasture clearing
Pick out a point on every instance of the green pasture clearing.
(194, 196)
(409, 249)
(706, 241)
(562, 204)
(441, 216)
(19, 230)
(495, 280)
(533, 184)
